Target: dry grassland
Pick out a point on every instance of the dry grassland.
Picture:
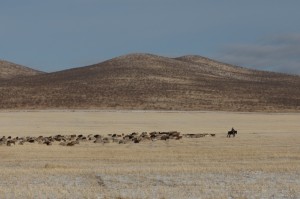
(263, 161)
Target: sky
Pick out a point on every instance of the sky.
(53, 35)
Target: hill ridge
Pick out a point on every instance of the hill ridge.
(10, 70)
(151, 82)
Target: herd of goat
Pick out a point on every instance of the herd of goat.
(71, 140)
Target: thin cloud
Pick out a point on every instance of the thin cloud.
(276, 53)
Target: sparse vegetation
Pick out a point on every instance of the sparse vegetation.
(149, 82)
(262, 161)
(10, 70)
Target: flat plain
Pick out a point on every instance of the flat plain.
(262, 161)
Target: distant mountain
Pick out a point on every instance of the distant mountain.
(10, 70)
(151, 82)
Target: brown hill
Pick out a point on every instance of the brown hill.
(10, 70)
(144, 81)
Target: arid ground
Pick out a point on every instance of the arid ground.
(262, 161)
(150, 82)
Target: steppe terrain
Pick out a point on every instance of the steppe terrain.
(146, 93)
(151, 82)
(9, 70)
(262, 161)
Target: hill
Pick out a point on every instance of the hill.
(10, 70)
(145, 81)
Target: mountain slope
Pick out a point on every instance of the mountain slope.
(144, 81)
(10, 70)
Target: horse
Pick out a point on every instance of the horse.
(232, 132)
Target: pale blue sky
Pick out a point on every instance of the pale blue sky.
(52, 35)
